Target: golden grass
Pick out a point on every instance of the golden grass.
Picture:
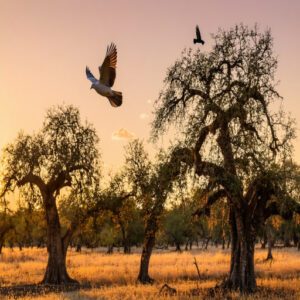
(114, 276)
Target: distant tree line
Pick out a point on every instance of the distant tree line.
(178, 230)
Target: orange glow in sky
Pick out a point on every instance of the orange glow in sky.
(45, 46)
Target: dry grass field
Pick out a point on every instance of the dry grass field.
(114, 276)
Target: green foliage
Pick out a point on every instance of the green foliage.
(63, 150)
(177, 226)
(233, 84)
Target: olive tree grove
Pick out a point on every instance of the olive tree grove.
(224, 105)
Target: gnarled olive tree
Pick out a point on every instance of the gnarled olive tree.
(221, 103)
(62, 154)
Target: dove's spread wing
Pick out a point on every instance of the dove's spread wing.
(90, 76)
(198, 35)
(108, 68)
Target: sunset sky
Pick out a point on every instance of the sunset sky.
(45, 46)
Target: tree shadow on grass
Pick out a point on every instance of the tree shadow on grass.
(18, 291)
(261, 293)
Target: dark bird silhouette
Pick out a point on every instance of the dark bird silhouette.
(107, 77)
(198, 38)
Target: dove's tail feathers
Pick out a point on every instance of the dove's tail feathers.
(198, 41)
(116, 99)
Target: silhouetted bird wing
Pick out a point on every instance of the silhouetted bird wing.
(198, 38)
(90, 76)
(108, 68)
(198, 35)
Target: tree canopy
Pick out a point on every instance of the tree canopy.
(224, 104)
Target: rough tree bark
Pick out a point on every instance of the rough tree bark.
(149, 242)
(56, 271)
(241, 274)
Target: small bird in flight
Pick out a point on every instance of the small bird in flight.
(198, 38)
(107, 77)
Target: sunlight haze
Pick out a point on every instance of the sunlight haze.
(46, 45)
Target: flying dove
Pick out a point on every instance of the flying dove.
(198, 38)
(107, 77)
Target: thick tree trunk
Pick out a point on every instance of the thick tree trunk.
(242, 276)
(235, 254)
(143, 276)
(149, 242)
(56, 271)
